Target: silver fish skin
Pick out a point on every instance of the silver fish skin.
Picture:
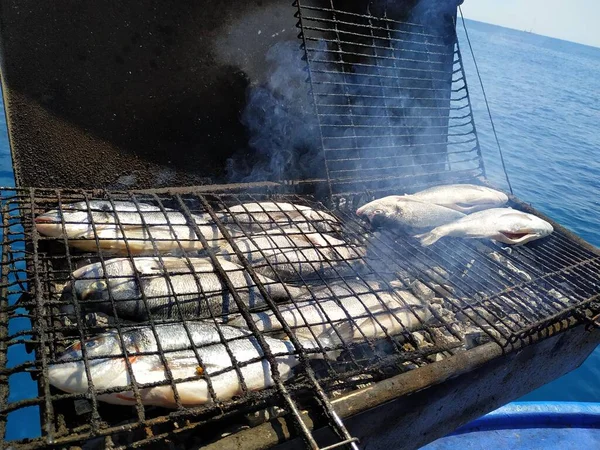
(263, 216)
(294, 254)
(146, 230)
(505, 225)
(191, 288)
(466, 198)
(406, 212)
(345, 313)
(108, 370)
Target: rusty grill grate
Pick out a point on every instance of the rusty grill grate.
(390, 97)
(470, 293)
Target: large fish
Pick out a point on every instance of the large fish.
(405, 212)
(346, 312)
(292, 254)
(143, 228)
(501, 224)
(466, 198)
(108, 370)
(263, 216)
(173, 287)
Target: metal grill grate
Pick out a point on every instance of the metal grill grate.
(468, 293)
(390, 96)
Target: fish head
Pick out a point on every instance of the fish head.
(381, 210)
(523, 228)
(74, 219)
(105, 362)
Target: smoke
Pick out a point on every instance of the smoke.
(281, 124)
(384, 100)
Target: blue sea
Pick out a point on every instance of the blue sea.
(545, 99)
(544, 95)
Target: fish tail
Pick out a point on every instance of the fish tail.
(428, 239)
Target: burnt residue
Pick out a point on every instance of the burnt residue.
(97, 91)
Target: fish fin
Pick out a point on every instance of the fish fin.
(176, 265)
(516, 215)
(185, 362)
(427, 239)
(125, 396)
(345, 331)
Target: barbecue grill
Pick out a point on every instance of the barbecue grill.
(372, 101)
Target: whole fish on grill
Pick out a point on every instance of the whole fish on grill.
(108, 369)
(263, 216)
(346, 312)
(143, 228)
(405, 212)
(293, 254)
(466, 198)
(501, 224)
(173, 287)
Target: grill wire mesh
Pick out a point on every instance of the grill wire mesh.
(390, 97)
(473, 292)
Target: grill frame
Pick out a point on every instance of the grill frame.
(355, 402)
(412, 153)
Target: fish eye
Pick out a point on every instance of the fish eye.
(378, 211)
(94, 342)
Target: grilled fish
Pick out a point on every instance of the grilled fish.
(501, 224)
(143, 228)
(346, 312)
(108, 370)
(172, 287)
(263, 216)
(466, 198)
(406, 212)
(291, 254)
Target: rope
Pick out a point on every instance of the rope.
(486, 100)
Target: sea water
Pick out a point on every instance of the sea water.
(544, 95)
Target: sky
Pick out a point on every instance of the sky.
(571, 20)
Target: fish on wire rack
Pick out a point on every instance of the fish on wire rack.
(293, 254)
(174, 287)
(405, 212)
(506, 225)
(108, 369)
(143, 226)
(466, 198)
(261, 216)
(346, 312)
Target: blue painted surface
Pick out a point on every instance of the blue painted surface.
(530, 425)
(545, 96)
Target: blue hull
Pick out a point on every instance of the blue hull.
(529, 425)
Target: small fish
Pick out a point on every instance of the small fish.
(108, 370)
(501, 224)
(144, 230)
(466, 198)
(174, 287)
(406, 212)
(346, 312)
(292, 254)
(263, 216)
